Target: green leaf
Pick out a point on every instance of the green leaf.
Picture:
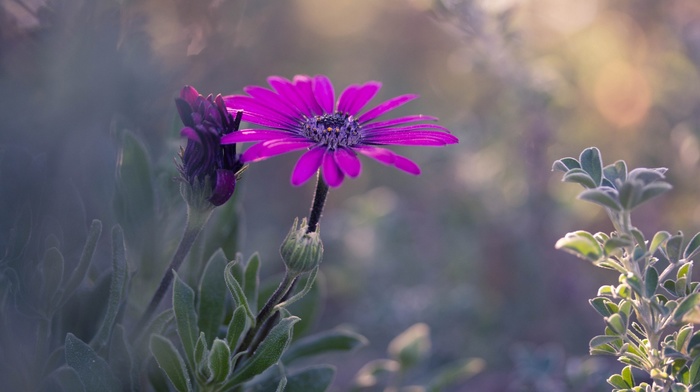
(201, 355)
(692, 248)
(51, 268)
(332, 340)
(652, 190)
(579, 176)
(219, 361)
(236, 327)
(672, 247)
(116, 289)
(617, 324)
(185, 318)
(134, 197)
(639, 239)
(618, 381)
(171, 362)
(593, 165)
(616, 173)
(688, 304)
(685, 271)
(658, 240)
(267, 354)
(566, 164)
(581, 244)
(411, 346)
(603, 306)
(212, 296)
(651, 282)
(237, 291)
(694, 372)
(603, 197)
(78, 274)
(67, 380)
(683, 337)
(615, 243)
(252, 281)
(627, 375)
(311, 379)
(602, 340)
(93, 371)
(121, 359)
(646, 175)
(371, 373)
(630, 193)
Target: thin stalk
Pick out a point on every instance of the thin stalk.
(196, 219)
(318, 203)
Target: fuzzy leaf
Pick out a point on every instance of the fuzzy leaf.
(212, 296)
(601, 340)
(171, 363)
(94, 372)
(658, 240)
(617, 324)
(219, 361)
(692, 248)
(672, 247)
(52, 268)
(651, 282)
(267, 354)
(252, 280)
(618, 381)
(688, 304)
(630, 193)
(237, 291)
(411, 346)
(332, 340)
(652, 190)
(593, 165)
(579, 176)
(606, 197)
(566, 164)
(581, 244)
(185, 318)
(616, 173)
(236, 327)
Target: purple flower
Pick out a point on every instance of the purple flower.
(204, 159)
(301, 114)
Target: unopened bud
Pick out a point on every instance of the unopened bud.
(301, 251)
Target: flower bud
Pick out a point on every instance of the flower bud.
(301, 251)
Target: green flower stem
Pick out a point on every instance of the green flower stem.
(196, 219)
(285, 287)
(318, 203)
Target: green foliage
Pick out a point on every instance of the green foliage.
(649, 313)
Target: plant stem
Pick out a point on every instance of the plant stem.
(196, 219)
(267, 311)
(318, 203)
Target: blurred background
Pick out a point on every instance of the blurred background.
(467, 247)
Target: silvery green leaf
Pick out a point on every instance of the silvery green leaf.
(236, 327)
(252, 281)
(93, 371)
(658, 240)
(332, 340)
(201, 354)
(185, 318)
(603, 196)
(683, 337)
(647, 176)
(219, 361)
(687, 305)
(237, 291)
(579, 176)
(171, 363)
(593, 165)
(411, 346)
(694, 372)
(116, 290)
(311, 379)
(581, 244)
(651, 282)
(212, 296)
(603, 306)
(78, 274)
(639, 239)
(627, 375)
(630, 194)
(652, 190)
(618, 381)
(616, 173)
(672, 247)
(566, 164)
(267, 354)
(601, 340)
(372, 372)
(617, 324)
(121, 359)
(65, 379)
(692, 248)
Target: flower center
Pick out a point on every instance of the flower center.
(333, 130)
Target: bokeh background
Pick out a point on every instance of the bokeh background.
(467, 247)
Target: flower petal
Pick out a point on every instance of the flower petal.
(323, 91)
(385, 107)
(270, 148)
(364, 94)
(304, 85)
(348, 162)
(399, 120)
(273, 99)
(253, 135)
(288, 91)
(251, 106)
(307, 165)
(225, 185)
(347, 97)
(390, 158)
(331, 172)
(190, 134)
(416, 138)
(189, 94)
